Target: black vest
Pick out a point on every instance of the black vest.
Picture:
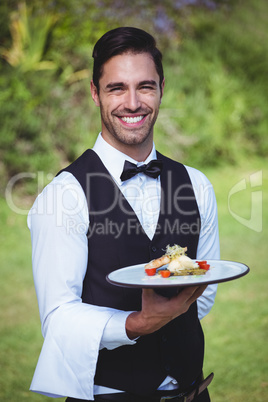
(176, 349)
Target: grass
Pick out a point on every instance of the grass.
(236, 330)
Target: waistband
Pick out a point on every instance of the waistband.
(158, 396)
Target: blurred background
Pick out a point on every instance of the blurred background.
(214, 117)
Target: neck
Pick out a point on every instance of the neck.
(139, 155)
(138, 152)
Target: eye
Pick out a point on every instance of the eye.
(116, 89)
(147, 88)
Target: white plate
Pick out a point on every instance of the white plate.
(135, 276)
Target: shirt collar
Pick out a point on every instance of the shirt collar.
(114, 160)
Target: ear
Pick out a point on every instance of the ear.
(94, 93)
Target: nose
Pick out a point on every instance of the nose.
(132, 100)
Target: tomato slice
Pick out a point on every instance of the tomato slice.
(165, 273)
(203, 265)
(150, 271)
(201, 262)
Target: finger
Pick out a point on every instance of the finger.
(152, 295)
(147, 291)
(198, 292)
(191, 290)
(201, 289)
(189, 294)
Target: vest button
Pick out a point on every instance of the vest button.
(154, 249)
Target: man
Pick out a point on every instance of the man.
(104, 342)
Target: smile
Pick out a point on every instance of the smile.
(132, 120)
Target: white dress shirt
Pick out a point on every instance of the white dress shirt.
(74, 331)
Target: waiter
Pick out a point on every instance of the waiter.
(121, 203)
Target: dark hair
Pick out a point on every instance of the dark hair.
(122, 40)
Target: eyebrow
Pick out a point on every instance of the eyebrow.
(112, 85)
(149, 82)
(115, 84)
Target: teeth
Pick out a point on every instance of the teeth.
(132, 119)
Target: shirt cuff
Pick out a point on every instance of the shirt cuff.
(114, 333)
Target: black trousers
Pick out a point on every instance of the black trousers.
(203, 397)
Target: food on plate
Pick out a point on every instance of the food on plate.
(150, 271)
(176, 262)
(165, 273)
(158, 262)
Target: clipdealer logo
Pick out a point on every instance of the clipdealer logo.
(252, 185)
(133, 226)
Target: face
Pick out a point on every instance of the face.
(129, 98)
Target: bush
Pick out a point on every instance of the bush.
(45, 124)
(216, 87)
(214, 108)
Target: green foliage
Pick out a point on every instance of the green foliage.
(29, 38)
(218, 77)
(214, 109)
(43, 127)
(20, 139)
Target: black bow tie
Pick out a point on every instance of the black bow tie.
(152, 169)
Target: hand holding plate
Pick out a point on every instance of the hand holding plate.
(157, 310)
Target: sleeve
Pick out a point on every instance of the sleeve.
(208, 246)
(72, 330)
